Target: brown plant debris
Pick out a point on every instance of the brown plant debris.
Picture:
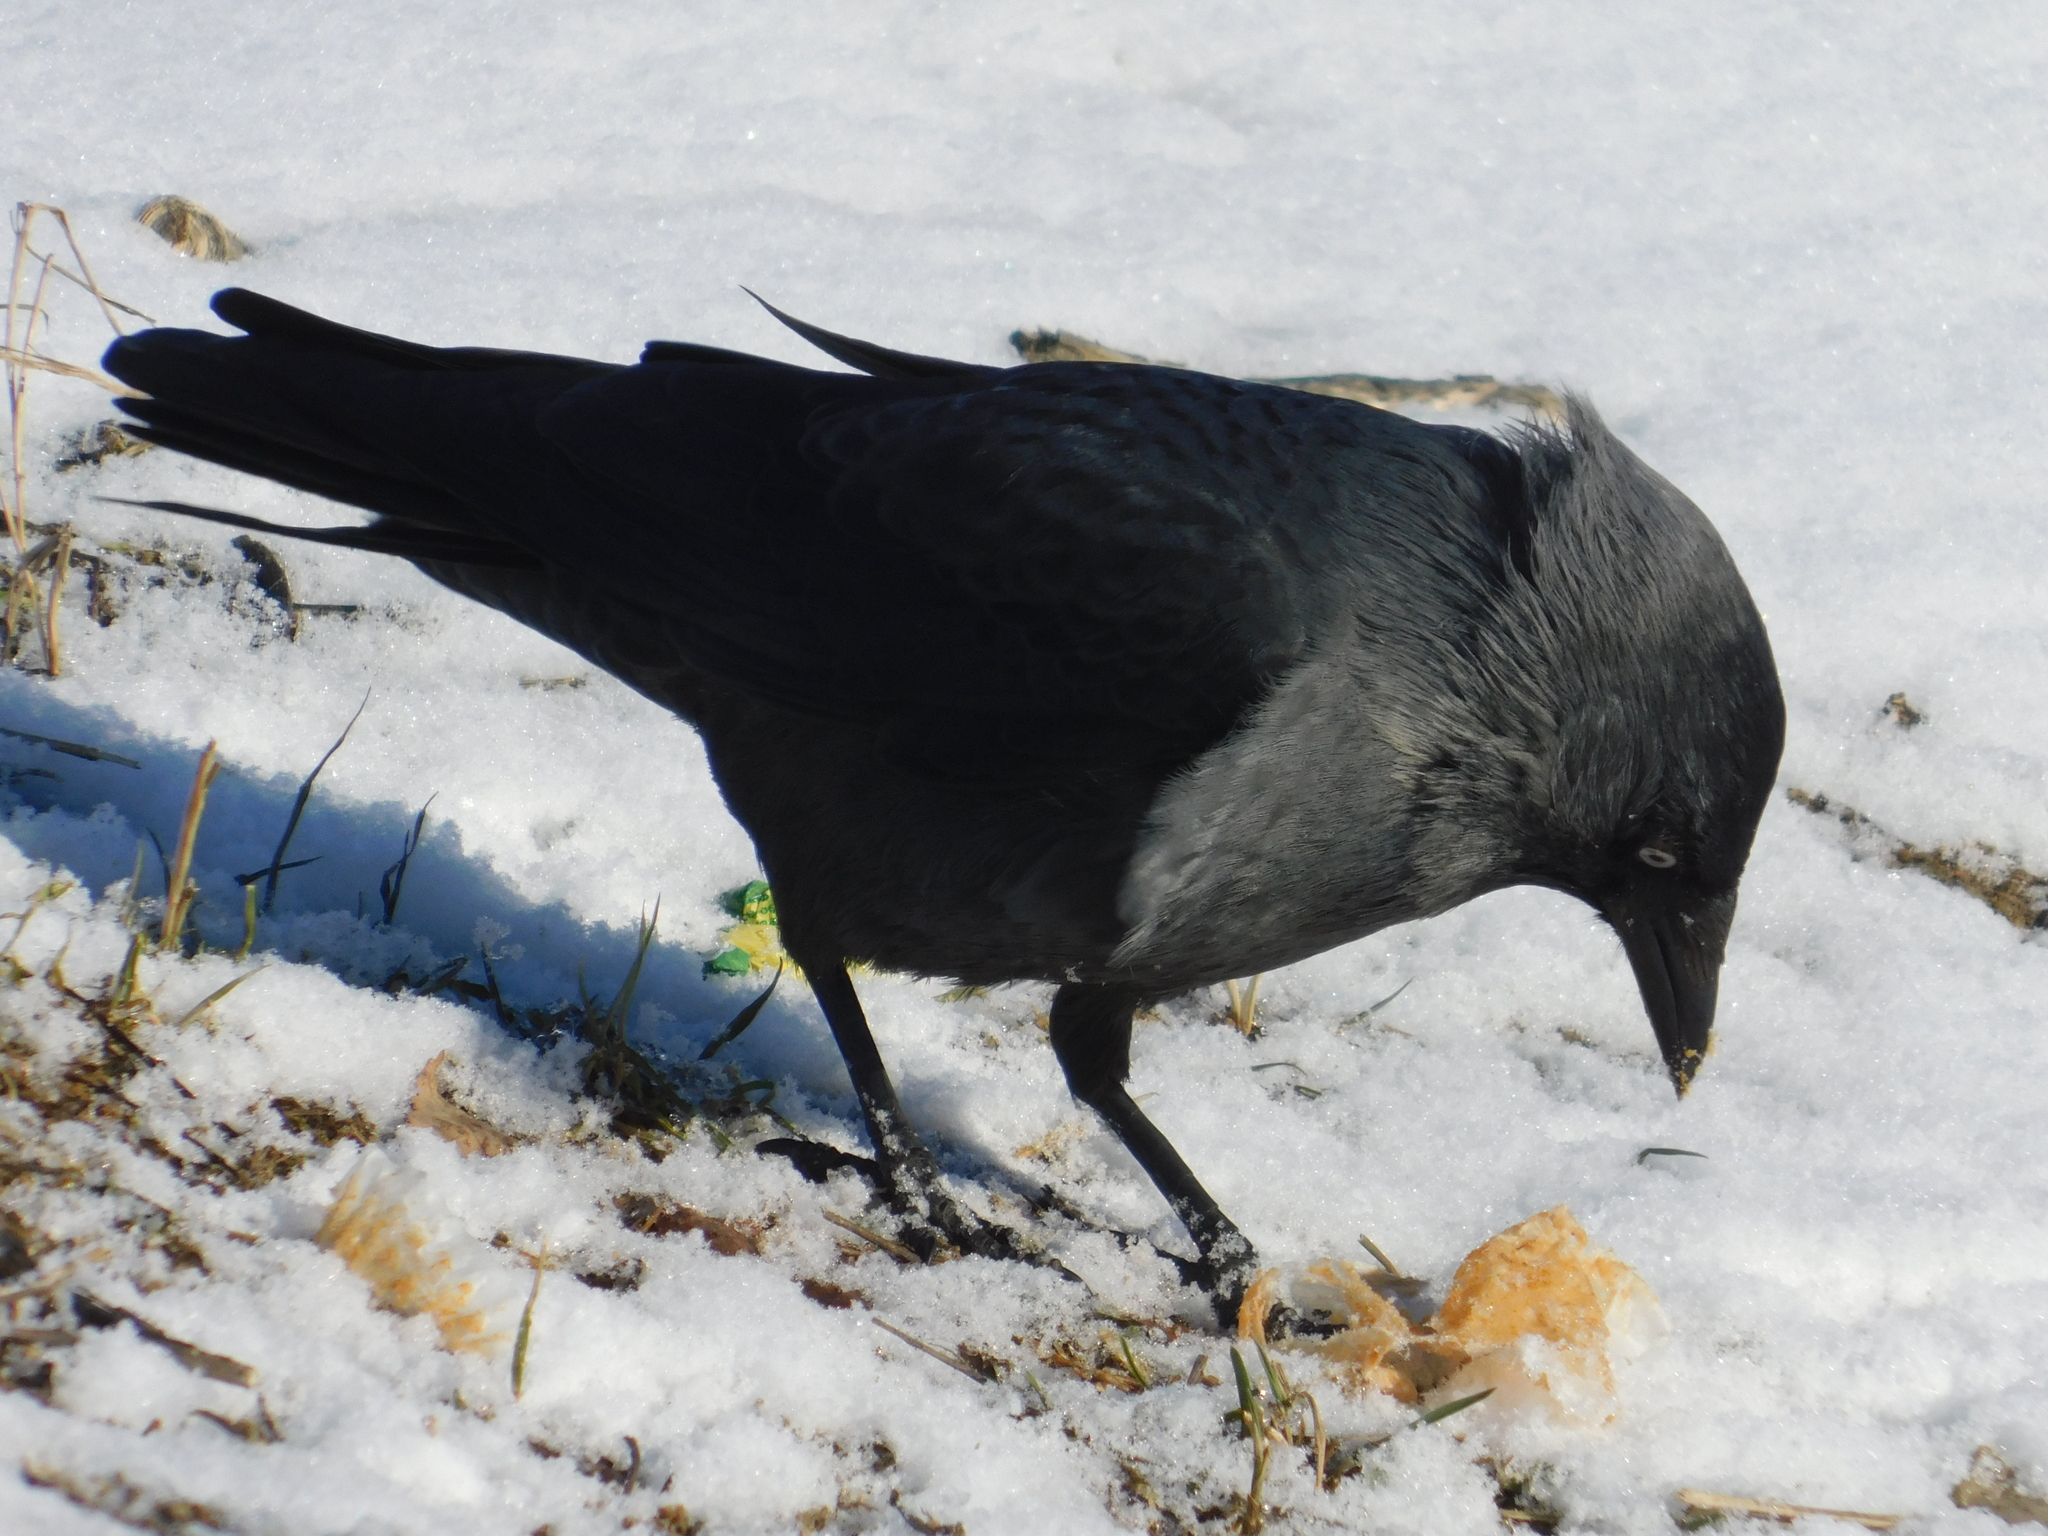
(431, 1111)
(1106, 1367)
(259, 1428)
(1900, 711)
(260, 1165)
(387, 1228)
(654, 1216)
(977, 1369)
(1461, 392)
(273, 581)
(190, 230)
(1991, 1483)
(94, 1313)
(924, 1525)
(1536, 1314)
(117, 1498)
(826, 1294)
(325, 1124)
(1054, 1144)
(1978, 869)
(100, 441)
(1699, 1504)
(902, 1253)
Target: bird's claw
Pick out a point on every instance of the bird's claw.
(933, 1223)
(1222, 1271)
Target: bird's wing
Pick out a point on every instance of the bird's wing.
(1054, 566)
(1063, 560)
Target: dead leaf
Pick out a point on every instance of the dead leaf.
(449, 1122)
(655, 1217)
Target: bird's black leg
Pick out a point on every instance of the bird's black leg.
(1091, 1035)
(909, 1172)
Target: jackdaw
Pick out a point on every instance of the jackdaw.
(1125, 678)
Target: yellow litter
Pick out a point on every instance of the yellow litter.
(1537, 1313)
(390, 1231)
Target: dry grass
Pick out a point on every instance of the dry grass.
(118, 1499)
(1700, 1505)
(658, 1216)
(1978, 869)
(27, 309)
(1465, 391)
(190, 230)
(1993, 1484)
(96, 444)
(178, 887)
(433, 1111)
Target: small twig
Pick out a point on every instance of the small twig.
(943, 1356)
(888, 1245)
(1379, 1258)
(17, 389)
(71, 748)
(177, 899)
(95, 1313)
(1322, 1443)
(61, 568)
(215, 996)
(91, 283)
(42, 1287)
(69, 276)
(21, 359)
(1702, 1502)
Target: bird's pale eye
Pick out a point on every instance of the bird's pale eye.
(1655, 857)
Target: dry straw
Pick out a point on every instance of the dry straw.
(1465, 391)
(190, 230)
(27, 309)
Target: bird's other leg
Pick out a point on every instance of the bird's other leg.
(909, 1172)
(1091, 1035)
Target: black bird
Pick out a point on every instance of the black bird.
(1126, 678)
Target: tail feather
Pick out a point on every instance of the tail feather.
(262, 316)
(390, 537)
(347, 415)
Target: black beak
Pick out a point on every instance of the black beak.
(1675, 950)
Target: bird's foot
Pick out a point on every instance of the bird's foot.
(933, 1224)
(933, 1221)
(1225, 1266)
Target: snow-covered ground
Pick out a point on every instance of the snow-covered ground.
(1794, 253)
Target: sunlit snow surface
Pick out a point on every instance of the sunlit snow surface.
(1794, 256)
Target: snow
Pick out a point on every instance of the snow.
(1793, 255)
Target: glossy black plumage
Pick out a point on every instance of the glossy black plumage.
(1123, 677)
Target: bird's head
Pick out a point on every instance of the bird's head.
(1631, 721)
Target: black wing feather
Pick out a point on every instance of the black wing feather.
(1062, 563)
